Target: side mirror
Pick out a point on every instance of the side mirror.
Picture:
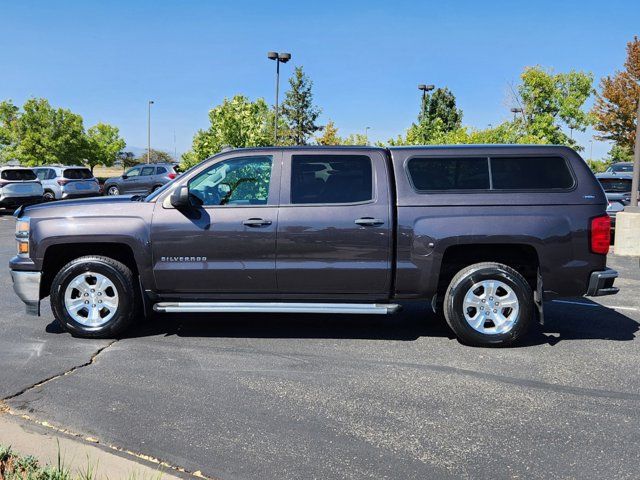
(180, 197)
(124, 177)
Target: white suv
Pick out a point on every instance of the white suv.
(67, 182)
(19, 186)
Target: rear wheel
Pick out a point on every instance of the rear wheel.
(113, 190)
(48, 196)
(94, 297)
(489, 304)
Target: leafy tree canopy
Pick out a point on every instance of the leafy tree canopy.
(156, 156)
(298, 110)
(237, 122)
(617, 102)
(104, 145)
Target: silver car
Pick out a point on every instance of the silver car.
(19, 186)
(141, 179)
(67, 182)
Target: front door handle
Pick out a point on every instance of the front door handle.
(369, 222)
(256, 222)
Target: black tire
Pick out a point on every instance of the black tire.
(156, 188)
(125, 283)
(470, 276)
(48, 196)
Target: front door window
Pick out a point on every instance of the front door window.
(240, 181)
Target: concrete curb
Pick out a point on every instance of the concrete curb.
(28, 438)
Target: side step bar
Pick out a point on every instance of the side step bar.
(275, 307)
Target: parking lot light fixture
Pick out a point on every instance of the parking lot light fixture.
(425, 88)
(516, 111)
(278, 58)
(149, 131)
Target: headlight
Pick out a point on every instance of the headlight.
(22, 236)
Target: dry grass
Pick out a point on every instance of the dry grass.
(105, 172)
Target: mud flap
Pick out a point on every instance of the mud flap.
(538, 298)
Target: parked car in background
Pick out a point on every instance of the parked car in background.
(60, 183)
(141, 179)
(617, 187)
(620, 167)
(19, 186)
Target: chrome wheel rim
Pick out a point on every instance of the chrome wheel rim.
(491, 307)
(113, 191)
(91, 299)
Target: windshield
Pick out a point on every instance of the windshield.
(621, 167)
(18, 175)
(615, 185)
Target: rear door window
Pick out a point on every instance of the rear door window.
(530, 173)
(615, 185)
(447, 173)
(42, 173)
(18, 175)
(331, 179)
(161, 170)
(77, 173)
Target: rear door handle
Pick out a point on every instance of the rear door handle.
(256, 222)
(369, 222)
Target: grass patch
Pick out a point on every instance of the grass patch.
(16, 467)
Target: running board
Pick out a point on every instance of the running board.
(275, 307)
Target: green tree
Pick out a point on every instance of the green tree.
(157, 156)
(440, 107)
(8, 118)
(329, 135)
(553, 101)
(104, 145)
(438, 116)
(41, 134)
(356, 139)
(237, 122)
(126, 159)
(298, 110)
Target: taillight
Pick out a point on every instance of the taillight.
(62, 182)
(600, 234)
(3, 183)
(172, 176)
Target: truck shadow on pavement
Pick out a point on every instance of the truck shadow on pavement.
(584, 320)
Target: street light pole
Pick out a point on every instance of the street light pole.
(515, 111)
(635, 181)
(279, 58)
(366, 134)
(425, 89)
(149, 131)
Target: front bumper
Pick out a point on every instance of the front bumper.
(601, 283)
(27, 287)
(17, 201)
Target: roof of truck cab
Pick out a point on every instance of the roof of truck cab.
(467, 147)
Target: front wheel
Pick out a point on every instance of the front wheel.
(94, 297)
(489, 304)
(113, 190)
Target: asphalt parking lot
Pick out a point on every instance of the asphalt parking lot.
(309, 396)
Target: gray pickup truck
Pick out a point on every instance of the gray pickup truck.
(483, 234)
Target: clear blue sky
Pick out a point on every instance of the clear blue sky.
(105, 59)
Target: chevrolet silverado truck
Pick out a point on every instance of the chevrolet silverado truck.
(484, 234)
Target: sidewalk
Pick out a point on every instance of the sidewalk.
(29, 438)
